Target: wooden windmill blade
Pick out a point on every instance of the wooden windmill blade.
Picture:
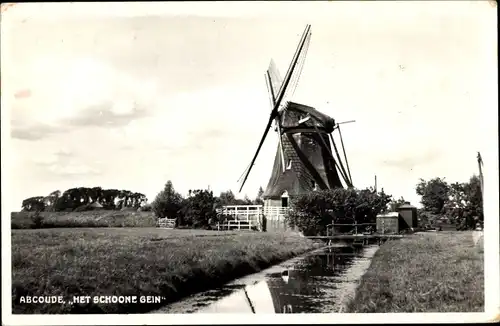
(295, 70)
(274, 79)
(338, 162)
(345, 155)
(340, 166)
(279, 97)
(270, 89)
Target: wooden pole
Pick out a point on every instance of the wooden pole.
(480, 163)
(375, 183)
(481, 180)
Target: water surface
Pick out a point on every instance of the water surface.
(319, 282)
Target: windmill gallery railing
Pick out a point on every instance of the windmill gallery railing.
(240, 217)
(275, 218)
(252, 216)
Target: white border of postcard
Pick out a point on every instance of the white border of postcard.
(13, 13)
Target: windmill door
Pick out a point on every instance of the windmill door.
(284, 199)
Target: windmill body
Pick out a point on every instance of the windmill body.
(304, 158)
(305, 148)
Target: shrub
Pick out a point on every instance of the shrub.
(198, 209)
(312, 212)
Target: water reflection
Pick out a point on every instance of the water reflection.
(313, 284)
(301, 288)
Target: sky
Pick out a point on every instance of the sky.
(141, 93)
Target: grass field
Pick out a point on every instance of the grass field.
(103, 218)
(135, 261)
(429, 272)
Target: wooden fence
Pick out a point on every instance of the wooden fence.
(166, 223)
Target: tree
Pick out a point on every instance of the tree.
(226, 198)
(199, 209)
(247, 201)
(259, 200)
(434, 193)
(475, 196)
(139, 199)
(168, 202)
(394, 204)
(96, 194)
(465, 205)
(80, 197)
(51, 199)
(33, 204)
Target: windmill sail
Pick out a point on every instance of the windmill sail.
(275, 80)
(297, 72)
(279, 97)
(304, 159)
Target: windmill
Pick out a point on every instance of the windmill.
(304, 158)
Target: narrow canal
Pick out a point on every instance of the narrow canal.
(319, 282)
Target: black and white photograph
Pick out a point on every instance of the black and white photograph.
(249, 162)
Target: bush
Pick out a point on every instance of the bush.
(198, 209)
(312, 212)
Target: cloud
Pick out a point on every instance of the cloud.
(70, 93)
(105, 115)
(102, 115)
(407, 161)
(53, 158)
(73, 169)
(32, 133)
(64, 162)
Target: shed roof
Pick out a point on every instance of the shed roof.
(390, 214)
(407, 206)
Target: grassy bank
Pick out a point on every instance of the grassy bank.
(136, 261)
(430, 272)
(103, 218)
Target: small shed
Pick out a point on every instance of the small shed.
(388, 223)
(409, 214)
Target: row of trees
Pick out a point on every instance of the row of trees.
(459, 202)
(198, 209)
(80, 198)
(311, 214)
